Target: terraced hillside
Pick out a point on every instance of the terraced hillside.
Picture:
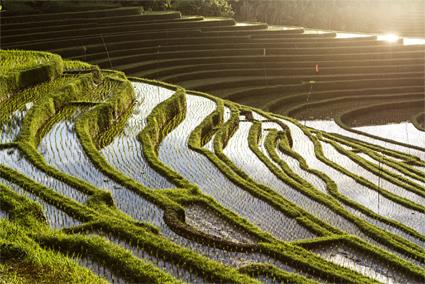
(286, 70)
(109, 178)
(383, 16)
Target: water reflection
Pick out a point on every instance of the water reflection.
(404, 132)
(391, 37)
(413, 41)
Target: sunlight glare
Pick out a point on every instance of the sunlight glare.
(389, 37)
(413, 41)
(350, 35)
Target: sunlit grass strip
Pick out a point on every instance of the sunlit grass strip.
(393, 178)
(19, 60)
(401, 167)
(119, 94)
(339, 119)
(305, 260)
(400, 200)
(163, 119)
(272, 141)
(312, 264)
(62, 114)
(118, 259)
(240, 178)
(22, 210)
(407, 159)
(162, 248)
(20, 252)
(44, 110)
(32, 95)
(270, 271)
(403, 247)
(107, 222)
(332, 189)
(66, 204)
(78, 66)
(21, 69)
(361, 245)
(106, 137)
(111, 109)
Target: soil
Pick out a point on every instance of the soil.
(208, 222)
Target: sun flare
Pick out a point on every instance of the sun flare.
(391, 37)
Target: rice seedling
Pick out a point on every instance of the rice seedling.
(332, 127)
(346, 184)
(393, 170)
(210, 180)
(403, 132)
(12, 158)
(352, 163)
(142, 181)
(68, 156)
(56, 218)
(363, 263)
(383, 206)
(261, 173)
(205, 220)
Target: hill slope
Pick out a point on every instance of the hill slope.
(287, 70)
(142, 181)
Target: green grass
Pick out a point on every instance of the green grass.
(22, 69)
(34, 253)
(23, 260)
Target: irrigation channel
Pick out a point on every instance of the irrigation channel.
(200, 189)
(350, 187)
(56, 218)
(404, 132)
(199, 170)
(11, 127)
(62, 150)
(331, 126)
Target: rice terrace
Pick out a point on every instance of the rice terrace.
(212, 141)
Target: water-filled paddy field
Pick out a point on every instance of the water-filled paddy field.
(131, 180)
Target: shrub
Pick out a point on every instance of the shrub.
(189, 7)
(203, 7)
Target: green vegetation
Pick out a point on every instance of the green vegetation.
(22, 69)
(23, 260)
(91, 178)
